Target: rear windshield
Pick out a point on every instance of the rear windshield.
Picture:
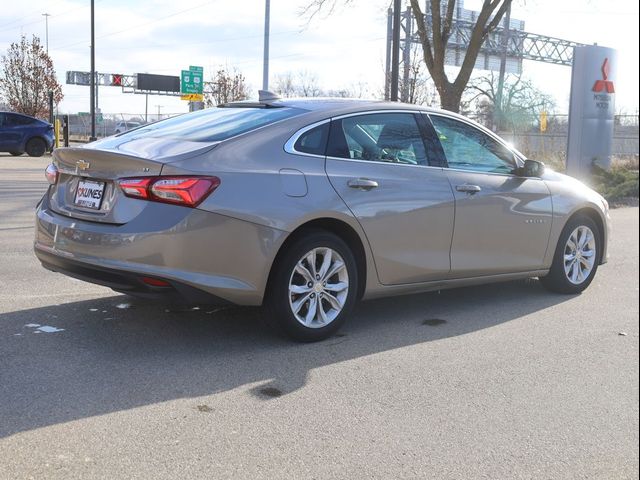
(213, 124)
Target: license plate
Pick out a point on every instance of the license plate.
(89, 194)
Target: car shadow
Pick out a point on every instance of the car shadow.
(115, 353)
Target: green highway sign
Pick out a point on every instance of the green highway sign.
(191, 81)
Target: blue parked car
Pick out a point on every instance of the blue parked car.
(22, 133)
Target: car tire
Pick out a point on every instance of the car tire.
(36, 147)
(576, 258)
(16, 154)
(313, 287)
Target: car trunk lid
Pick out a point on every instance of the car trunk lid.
(87, 186)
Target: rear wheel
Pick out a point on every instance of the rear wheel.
(576, 258)
(16, 154)
(36, 147)
(313, 287)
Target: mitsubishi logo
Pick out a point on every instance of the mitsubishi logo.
(604, 84)
(82, 165)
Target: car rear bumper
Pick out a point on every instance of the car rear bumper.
(205, 257)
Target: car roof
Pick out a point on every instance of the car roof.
(338, 106)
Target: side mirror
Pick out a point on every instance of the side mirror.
(531, 168)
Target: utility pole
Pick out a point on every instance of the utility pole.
(497, 108)
(265, 60)
(387, 69)
(46, 26)
(395, 50)
(92, 93)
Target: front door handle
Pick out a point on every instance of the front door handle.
(362, 183)
(470, 189)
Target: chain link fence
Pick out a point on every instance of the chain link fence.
(109, 124)
(550, 144)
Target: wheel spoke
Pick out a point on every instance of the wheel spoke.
(333, 301)
(302, 270)
(311, 261)
(323, 314)
(326, 263)
(574, 274)
(572, 243)
(297, 305)
(336, 287)
(588, 253)
(336, 268)
(585, 263)
(299, 289)
(311, 313)
(580, 276)
(569, 258)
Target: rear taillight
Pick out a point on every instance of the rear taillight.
(186, 191)
(51, 172)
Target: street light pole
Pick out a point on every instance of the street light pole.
(46, 26)
(92, 92)
(265, 60)
(395, 50)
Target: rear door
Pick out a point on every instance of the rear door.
(11, 132)
(502, 221)
(393, 184)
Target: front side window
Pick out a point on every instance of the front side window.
(468, 148)
(21, 120)
(378, 137)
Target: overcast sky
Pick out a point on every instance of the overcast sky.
(344, 49)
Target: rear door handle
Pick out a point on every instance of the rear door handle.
(362, 183)
(470, 189)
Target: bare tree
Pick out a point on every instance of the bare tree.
(284, 85)
(434, 38)
(225, 86)
(417, 88)
(27, 78)
(521, 103)
(301, 84)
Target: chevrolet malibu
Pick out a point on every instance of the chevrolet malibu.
(307, 206)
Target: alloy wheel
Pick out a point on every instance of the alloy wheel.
(318, 287)
(579, 255)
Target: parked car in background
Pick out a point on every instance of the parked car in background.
(22, 133)
(306, 206)
(124, 126)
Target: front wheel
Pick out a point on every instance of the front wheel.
(313, 287)
(576, 258)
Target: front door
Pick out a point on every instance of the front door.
(502, 221)
(380, 166)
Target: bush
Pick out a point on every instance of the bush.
(615, 184)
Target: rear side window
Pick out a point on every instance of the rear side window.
(378, 137)
(214, 124)
(313, 141)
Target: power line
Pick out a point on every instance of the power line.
(52, 15)
(141, 24)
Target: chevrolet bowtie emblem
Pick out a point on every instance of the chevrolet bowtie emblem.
(82, 165)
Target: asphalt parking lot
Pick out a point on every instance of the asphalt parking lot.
(499, 381)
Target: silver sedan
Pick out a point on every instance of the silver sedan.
(306, 206)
